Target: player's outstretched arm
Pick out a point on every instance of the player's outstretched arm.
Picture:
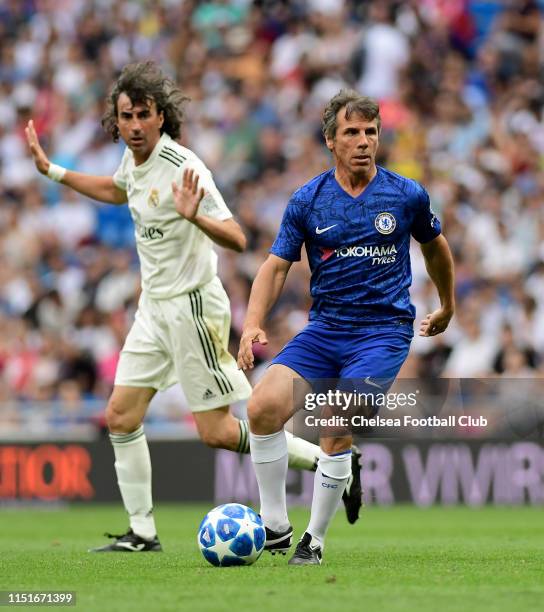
(187, 197)
(265, 291)
(439, 264)
(101, 188)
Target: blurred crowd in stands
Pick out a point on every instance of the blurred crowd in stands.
(461, 90)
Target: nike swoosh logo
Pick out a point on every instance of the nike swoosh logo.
(130, 546)
(325, 229)
(371, 383)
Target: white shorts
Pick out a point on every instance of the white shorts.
(184, 339)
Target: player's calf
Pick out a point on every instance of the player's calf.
(264, 414)
(217, 428)
(126, 408)
(121, 422)
(216, 439)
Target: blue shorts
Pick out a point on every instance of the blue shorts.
(366, 358)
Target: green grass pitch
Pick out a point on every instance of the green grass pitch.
(398, 558)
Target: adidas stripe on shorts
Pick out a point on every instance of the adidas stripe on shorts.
(184, 339)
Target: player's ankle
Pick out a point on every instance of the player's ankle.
(143, 525)
(318, 539)
(279, 525)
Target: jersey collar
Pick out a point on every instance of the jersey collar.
(368, 190)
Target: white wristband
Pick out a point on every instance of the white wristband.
(56, 173)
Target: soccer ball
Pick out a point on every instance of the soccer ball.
(231, 534)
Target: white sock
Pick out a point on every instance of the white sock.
(269, 456)
(133, 467)
(330, 481)
(303, 455)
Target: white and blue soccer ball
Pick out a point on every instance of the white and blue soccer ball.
(231, 534)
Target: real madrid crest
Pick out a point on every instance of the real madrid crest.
(385, 223)
(153, 199)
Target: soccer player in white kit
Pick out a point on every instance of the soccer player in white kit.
(181, 329)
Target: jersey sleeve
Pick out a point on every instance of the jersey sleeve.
(212, 204)
(120, 177)
(290, 236)
(425, 225)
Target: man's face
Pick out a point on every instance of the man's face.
(355, 144)
(139, 126)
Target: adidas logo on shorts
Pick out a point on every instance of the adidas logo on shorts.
(208, 394)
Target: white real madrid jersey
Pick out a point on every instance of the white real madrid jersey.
(175, 256)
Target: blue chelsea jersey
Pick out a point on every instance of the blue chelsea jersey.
(358, 248)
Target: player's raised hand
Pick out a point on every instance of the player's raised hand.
(435, 323)
(38, 154)
(187, 197)
(250, 335)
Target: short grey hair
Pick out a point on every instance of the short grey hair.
(353, 102)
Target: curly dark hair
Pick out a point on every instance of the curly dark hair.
(144, 82)
(354, 102)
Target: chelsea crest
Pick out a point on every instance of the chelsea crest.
(385, 223)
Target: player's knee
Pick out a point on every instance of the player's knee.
(263, 413)
(118, 419)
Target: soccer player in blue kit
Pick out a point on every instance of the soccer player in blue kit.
(355, 220)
